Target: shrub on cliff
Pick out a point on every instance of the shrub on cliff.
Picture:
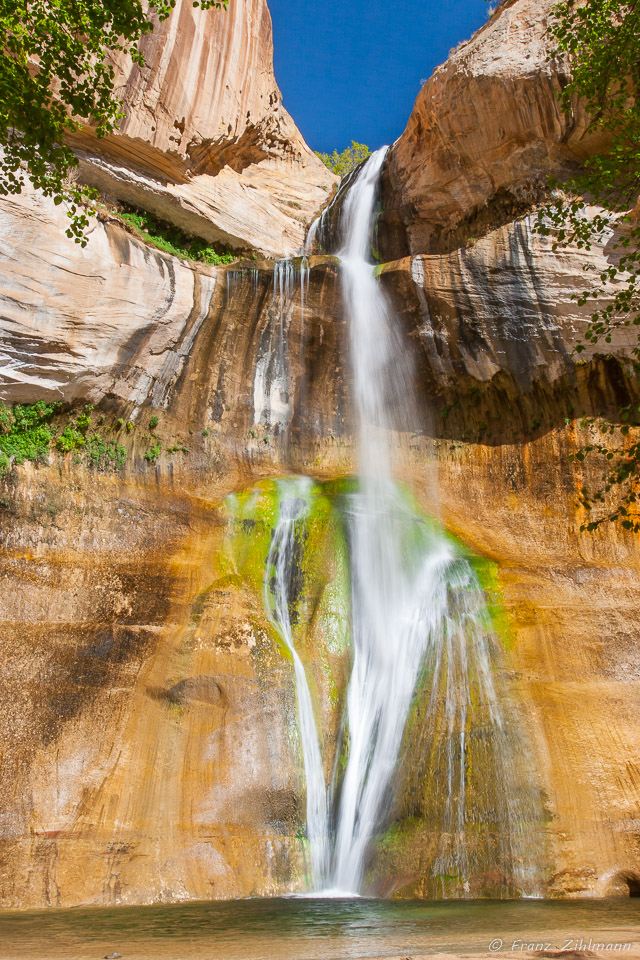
(55, 74)
(173, 240)
(31, 431)
(25, 433)
(602, 40)
(343, 163)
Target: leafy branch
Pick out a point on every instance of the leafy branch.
(56, 74)
(601, 39)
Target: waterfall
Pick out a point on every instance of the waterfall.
(293, 502)
(272, 398)
(421, 634)
(387, 646)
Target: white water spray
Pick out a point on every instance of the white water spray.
(293, 502)
(419, 622)
(272, 396)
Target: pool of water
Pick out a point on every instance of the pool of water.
(323, 929)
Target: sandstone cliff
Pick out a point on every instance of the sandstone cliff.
(485, 134)
(150, 750)
(205, 142)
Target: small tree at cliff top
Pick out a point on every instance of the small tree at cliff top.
(56, 71)
(602, 39)
(343, 163)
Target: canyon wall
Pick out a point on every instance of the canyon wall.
(206, 143)
(485, 134)
(150, 751)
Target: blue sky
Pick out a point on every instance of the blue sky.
(351, 69)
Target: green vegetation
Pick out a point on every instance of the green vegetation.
(31, 431)
(69, 439)
(166, 237)
(56, 72)
(25, 433)
(620, 450)
(153, 422)
(343, 163)
(151, 455)
(602, 38)
(104, 454)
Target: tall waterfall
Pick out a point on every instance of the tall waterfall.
(386, 650)
(421, 634)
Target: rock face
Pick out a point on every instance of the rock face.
(136, 628)
(205, 142)
(485, 134)
(117, 317)
(150, 749)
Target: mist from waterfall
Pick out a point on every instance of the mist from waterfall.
(421, 634)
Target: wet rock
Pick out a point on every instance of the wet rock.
(195, 690)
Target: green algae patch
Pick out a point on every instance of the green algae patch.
(488, 573)
(400, 833)
(320, 597)
(251, 516)
(319, 589)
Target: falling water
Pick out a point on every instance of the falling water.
(420, 628)
(293, 498)
(412, 609)
(272, 396)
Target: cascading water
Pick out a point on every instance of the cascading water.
(388, 641)
(272, 400)
(420, 630)
(294, 505)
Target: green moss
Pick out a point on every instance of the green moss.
(319, 609)
(486, 570)
(399, 834)
(251, 515)
(488, 574)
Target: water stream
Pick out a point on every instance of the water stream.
(420, 632)
(294, 507)
(272, 396)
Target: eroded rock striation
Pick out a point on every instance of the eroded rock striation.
(206, 143)
(485, 134)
